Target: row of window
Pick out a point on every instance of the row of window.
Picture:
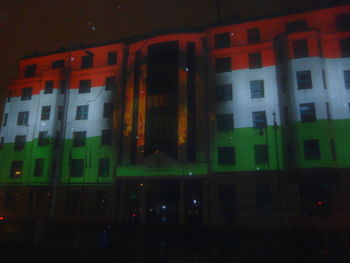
(227, 155)
(76, 168)
(86, 62)
(223, 40)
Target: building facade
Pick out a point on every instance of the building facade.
(244, 124)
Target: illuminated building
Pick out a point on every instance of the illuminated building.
(245, 123)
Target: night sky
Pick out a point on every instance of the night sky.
(27, 26)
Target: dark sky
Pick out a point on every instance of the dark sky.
(45, 25)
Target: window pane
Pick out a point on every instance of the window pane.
(16, 169)
(23, 118)
(108, 110)
(343, 21)
(311, 150)
(253, 35)
(30, 71)
(255, 60)
(345, 47)
(45, 112)
(112, 58)
(58, 64)
(26, 94)
(106, 138)
(82, 112)
(307, 112)
(43, 138)
(84, 86)
(224, 92)
(87, 61)
(347, 79)
(225, 122)
(222, 65)
(104, 167)
(110, 83)
(257, 89)
(261, 154)
(77, 168)
(259, 119)
(20, 141)
(79, 138)
(304, 80)
(226, 155)
(300, 48)
(222, 40)
(39, 167)
(48, 87)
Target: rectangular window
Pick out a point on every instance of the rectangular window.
(22, 118)
(57, 64)
(312, 150)
(48, 87)
(224, 92)
(20, 142)
(253, 35)
(223, 65)
(11, 200)
(79, 138)
(82, 112)
(108, 110)
(259, 119)
(16, 169)
(304, 79)
(87, 61)
(342, 21)
(294, 26)
(263, 196)
(226, 155)
(74, 199)
(307, 112)
(328, 111)
(30, 71)
(315, 199)
(106, 137)
(324, 79)
(85, 86)
(222, 40)
(112, 58)
(228, 201)
(2, 143)
(39, 167)
(60, 112)
(300, 48)
(76, 168)
(5, 120)
(103, 170)
(347, 78)
(110, 83)
(101, 202)
(225, 122)
(45, 113)
(255, 60)
(332, 144)
(257, 89)
(261, 154)
(26, 94)
(63, 86)
(43, 138)
(345, 47)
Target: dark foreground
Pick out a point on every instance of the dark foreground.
(35, 242)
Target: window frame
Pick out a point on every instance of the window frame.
(82, 112)
(307, 115)
(304, 79)
(257, 89)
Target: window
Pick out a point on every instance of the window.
(60, 112)
(345, 47)
(263, 196)
(106, 138)
(328, 111)
(257, 89)
(332, 144)
(300, 48)
(108, 110)
(342, 21)
(26, 94)
(261, 154)
(20, 142)
(45, 113)
(82, 112)
(77, 168)
(63, 86)
(311, 150)
(304, 80)
(58, 64)
(227, 201)
(224, 92)
(315, 199)
(5, 120)
(307, 112)
(222, 40)
(110, 83)
(16, 169)
(22, 118)
(87, 61)
(39, 167)
(9, 94)
(112, 58)
(101, 202)
(11, 200)
(43, 138)
(226, 155)
(40, 199)
(253, 35)
(259, 119)
(299, 25)
(222, 65)
(79, 138)
(255, 60)
(225, 122)
(30, 71)
(347, 78)
(324, 79)
(103, 170)
(85, 86)
(2, 143)
(74, 199)
(48, 87)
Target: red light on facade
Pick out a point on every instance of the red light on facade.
(2, 218)
(319, 203)
(133, 214)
